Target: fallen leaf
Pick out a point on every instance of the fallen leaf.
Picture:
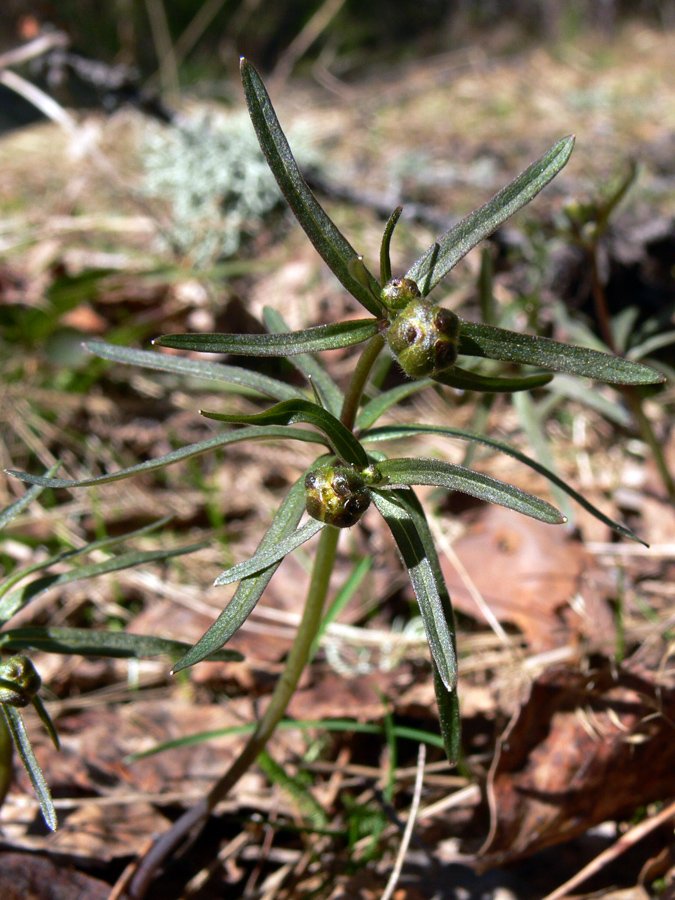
(586, 747)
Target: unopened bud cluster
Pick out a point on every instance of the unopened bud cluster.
(339, 495)
(423, 337)
(19, 681)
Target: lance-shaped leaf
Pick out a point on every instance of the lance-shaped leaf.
(330, 394)
(18, 731)
(446, 252)
(68, 555)
(263, 559)
(330, 243)
(218, 440)
(457, 478)
(428, 589)
(448, 716)
(180, 365)
(498, 343)
(446, 700)
(250, 589)
(88, 642)
(396, 432)
(291, 343)
(471, 381)
(340, 438)
(17, 599)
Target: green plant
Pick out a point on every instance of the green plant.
(19, 679)
(352, 472)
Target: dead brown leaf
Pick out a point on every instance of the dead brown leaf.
(584, 748)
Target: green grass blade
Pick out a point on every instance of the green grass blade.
(446, 252)
(471, 381)
(110, 644)
(263, 559)
(341, 600)
(440, 631)
(331, 395)
(209, 371)
(397, 432)
(218, 440)
(250, 589)
(24, 749)
(310, 340)
(401, 732)
(340, 438)
(457, 478)
(498, 343)
(16, 600)
(330, 243)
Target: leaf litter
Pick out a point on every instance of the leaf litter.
(588, 742)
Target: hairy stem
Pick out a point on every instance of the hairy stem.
(366, 362)
(309, 626)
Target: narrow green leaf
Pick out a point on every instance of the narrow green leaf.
(457, 478)
(471, 381)
(448, 717)
(22, 743)
(330, 243)
(343, 442)
(209, 371)
(498, 343)
(397, 432)
(250, 589)
(311, 340)
(88, 642)
(67, 555)
(263, 559)
(330, 393)
(446, 252)
(16, 600)
(12, 511)
(385, 259)
(46, 720)
(373, 409)
(394, 507)
(218, 440)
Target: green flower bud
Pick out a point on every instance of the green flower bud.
(424, 338)
(336, 495)
(399, 292)
(19, 681)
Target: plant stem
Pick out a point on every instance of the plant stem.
(309, 626)
(195, 817)
(356, 386)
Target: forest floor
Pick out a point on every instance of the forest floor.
(567, 698)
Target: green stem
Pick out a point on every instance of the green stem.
(309, 626)
(350, 407)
